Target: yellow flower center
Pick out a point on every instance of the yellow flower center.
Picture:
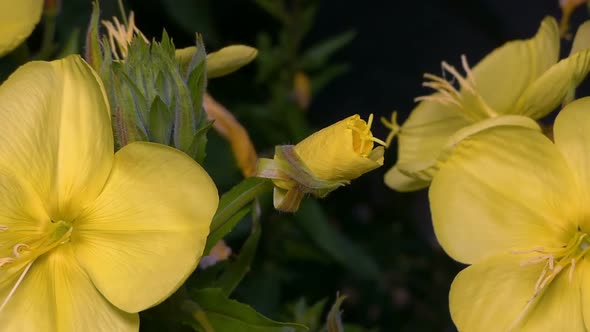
(24, 254)
(555, 261)
(362, 138)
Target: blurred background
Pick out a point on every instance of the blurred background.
(320, 61)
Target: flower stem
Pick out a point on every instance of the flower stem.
(238, 197)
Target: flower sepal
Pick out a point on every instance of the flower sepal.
(293, 179)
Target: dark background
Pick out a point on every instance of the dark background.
(396, 42)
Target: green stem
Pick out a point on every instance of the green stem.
(21, 54)
(238, 197)
(49, 27)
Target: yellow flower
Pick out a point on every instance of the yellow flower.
(515, 206)
(88, 237)
(322, 162)
(17, 21)
(521, 79)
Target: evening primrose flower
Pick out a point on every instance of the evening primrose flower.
(521, 79)
(88, 237)
(17, 21)
(322, 162)
(515, 206)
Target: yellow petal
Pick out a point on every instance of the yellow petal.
(23, 220)
(493, 295)
(503, 189)
(504, 74)
(56, 295)
(572, 136)
(229, 59)
(339, 152)
(55, 131)
(17, 21)
(399, 181)
(421, 139)
(425, 170)
(585, 290)
(582, 38)
(146, 232)
(549, 90)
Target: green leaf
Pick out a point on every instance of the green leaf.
(237, 198)
(225, 314)
(317, 56)
(275, 8)
(227, 227)
(71, 45)
(310, 316)
(325, 76)
(313, 220)
(238, 269)
(197, 150)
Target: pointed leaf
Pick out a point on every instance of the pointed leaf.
(160, 122)
(93, 54)
(317, 56)
(229, 315)
(314, 222)
(238, 269)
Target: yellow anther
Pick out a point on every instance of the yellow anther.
(16, 249)
(6, 260)
(120, 36)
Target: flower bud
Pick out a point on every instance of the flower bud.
(153, 96)
(322, 162)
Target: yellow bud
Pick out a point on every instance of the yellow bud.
(229, 59)
(17, 21)
(342, 151)
(322, 162)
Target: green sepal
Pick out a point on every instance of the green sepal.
(294, 179)
(92, 53)
(160, 120)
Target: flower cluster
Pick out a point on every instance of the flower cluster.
(507, 199)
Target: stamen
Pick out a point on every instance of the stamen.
(540, 279)
(439, 99)
(121, 36)
(365, 135)
(6, 260)
(571, 273)
(462, 81)
(20, 279)
(3, 228)
(17, 247)
(467, 70)
(556, 260)
(393, 126)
